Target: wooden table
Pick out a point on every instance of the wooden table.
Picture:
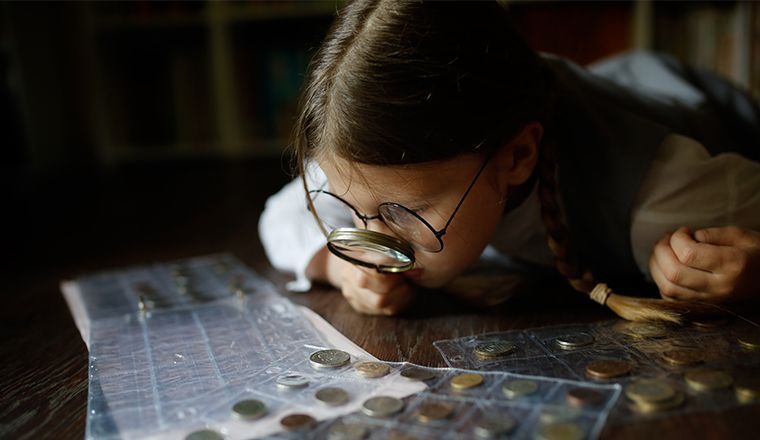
(69, 226)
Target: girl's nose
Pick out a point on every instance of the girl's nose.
(380, 226)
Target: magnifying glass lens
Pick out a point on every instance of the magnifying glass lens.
(371, 249)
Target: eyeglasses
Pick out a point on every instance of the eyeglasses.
(380, 251)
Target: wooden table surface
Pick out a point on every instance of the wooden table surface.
(71, 225)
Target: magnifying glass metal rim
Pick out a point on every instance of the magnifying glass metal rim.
(355, 234)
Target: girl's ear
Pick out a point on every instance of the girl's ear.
(518, 157)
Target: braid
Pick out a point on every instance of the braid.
(582, 279)
(558, 237)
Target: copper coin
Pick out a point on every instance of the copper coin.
(608, 368)
(297, 422)
(580, 397)
(682, 357)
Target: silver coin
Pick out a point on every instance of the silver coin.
(518, 388)
(341, 430)
(571, 341)
(249, 409)
(492, 427)
(382, 406)
(372, 369)
(330, 358)
(292, 380)
(493, 349)
(204, 434)
(332, 396)
(415, 373)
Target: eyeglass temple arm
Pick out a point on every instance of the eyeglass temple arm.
(442, 232)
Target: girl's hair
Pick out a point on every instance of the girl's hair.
(399, 82)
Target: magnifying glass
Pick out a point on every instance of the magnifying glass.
(371, 249)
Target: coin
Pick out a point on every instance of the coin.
(415, 373)
(649, 390)
(466, 381)
(372, 369)
(554, 414)
(682, 357)
(749, 340)
(573, 341)
(382, 406)
(341, 430)
(204, 434)
(249, 409)
(580, 397)
(492, 427)
(644, 407)
(560, 431)
(399, 435)
(518, 388)
(332, 396)
(431, 412)
(297, 422)
(331, 358)
(608, 368)
(705, 380)
(494, 349)
(292, 380)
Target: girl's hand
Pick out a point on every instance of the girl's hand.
(717, 264)
(368, 291)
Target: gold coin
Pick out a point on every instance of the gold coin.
(556, 414)
(749, 340)
(645, 407)
(494, 349)
(466, 381)
(704, 380)
(518, 388)
(608, 368)
(372, 369)
(431, 412)
(582, 397)
(650, 391)
(561, 431)
(682, 357)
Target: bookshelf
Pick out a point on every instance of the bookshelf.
(196, 79)
(111, 82)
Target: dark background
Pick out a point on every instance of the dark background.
(143, 131)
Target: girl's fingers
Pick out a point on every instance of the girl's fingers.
(377, 282)
(671, 290)
(679, 274)
(694, 254)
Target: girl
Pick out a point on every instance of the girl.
(444, 141)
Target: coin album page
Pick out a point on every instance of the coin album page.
(702, 366)
(173, 347)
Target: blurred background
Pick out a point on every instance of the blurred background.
(146, 130)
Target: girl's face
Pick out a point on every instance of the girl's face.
(433, 190)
